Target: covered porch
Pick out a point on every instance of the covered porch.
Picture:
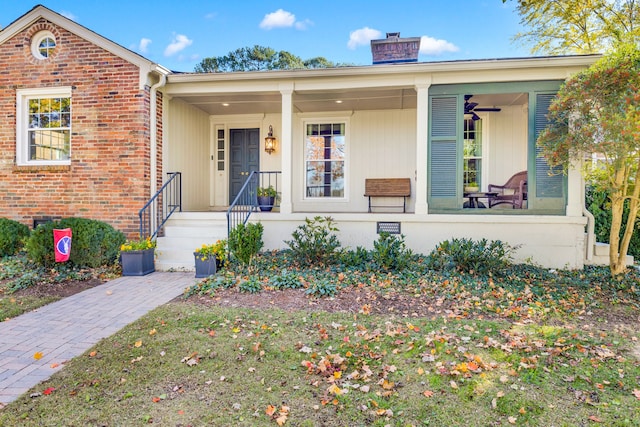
(444, 126)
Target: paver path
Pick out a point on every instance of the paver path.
(67, 328)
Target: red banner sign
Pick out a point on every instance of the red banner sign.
(62, 244)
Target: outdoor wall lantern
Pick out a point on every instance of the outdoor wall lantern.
(270, 142)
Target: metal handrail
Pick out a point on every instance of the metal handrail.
(161, 206)
(246, 201)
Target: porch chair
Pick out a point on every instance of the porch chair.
(513, 192)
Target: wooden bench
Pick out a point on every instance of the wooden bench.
(388, 187)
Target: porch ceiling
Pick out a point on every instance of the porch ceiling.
(326, 101)
(303, 102)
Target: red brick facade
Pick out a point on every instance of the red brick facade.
(108, 178)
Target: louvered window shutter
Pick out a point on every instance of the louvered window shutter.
(443, 153)
(550, 183)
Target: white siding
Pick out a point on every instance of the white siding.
(188, 152)
(380, 144)
(507, 138)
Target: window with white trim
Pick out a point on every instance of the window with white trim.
(324, 154)
(43, 44)
(43, 126)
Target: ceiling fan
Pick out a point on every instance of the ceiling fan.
(472, 107)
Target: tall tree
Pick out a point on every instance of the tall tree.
(578, 26)
(258, 58)
(597, 114)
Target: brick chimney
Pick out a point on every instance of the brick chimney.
(395, 50)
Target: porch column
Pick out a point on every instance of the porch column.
(575, 189)
(422, 137)
(286, 90)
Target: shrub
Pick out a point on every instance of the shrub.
(94, 243)
(322, 287)
(245, 241)
(252, 285)
(314, 241)
(360, 258)
(390, 252)
(285, 280)
(599, 204)
(12, 236)
(469, 256)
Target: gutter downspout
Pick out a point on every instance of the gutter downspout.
(591, 227)
(154, 134)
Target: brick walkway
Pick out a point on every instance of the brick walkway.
(67, 328)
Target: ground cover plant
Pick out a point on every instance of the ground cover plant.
(25, 285)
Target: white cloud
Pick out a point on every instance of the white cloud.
(362, 37)
(303, 25)
(179, 42)
(278, 19)
(69, 15)
(431, 46)
(143, 46)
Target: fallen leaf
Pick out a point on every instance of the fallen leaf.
(152, 332)
(636, 393)
(37, 355)
(595, 419)
(281, 419)
(49, 390)
(93, 353)
(109, 292)
(54, 365)
(155, 399)
(427, 393)
(138, 344)
(512, 420)
(453, 385)
(270, 410)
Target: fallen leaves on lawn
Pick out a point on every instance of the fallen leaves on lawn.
(191, 360)
(280, 417)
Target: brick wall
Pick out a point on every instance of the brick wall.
(108, 178)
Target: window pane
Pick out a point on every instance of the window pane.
(49, 145)
(325, 145)
(49, 133)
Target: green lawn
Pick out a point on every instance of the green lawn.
(186, 364)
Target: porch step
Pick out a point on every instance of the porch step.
(183, 233)
(601, 255)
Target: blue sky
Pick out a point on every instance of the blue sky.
(179, 34)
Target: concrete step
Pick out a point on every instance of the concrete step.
(183, 233)
(601, 255)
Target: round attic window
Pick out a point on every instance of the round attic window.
(43, 44)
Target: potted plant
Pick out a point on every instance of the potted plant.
(472, 187)
(266, 198)
(137, 257)
(208, 258)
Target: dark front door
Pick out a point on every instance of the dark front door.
(244, 158)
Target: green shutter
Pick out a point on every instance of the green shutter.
(550, 183)
(443, 152)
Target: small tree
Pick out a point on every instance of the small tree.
(597, 114)
(577, 26)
